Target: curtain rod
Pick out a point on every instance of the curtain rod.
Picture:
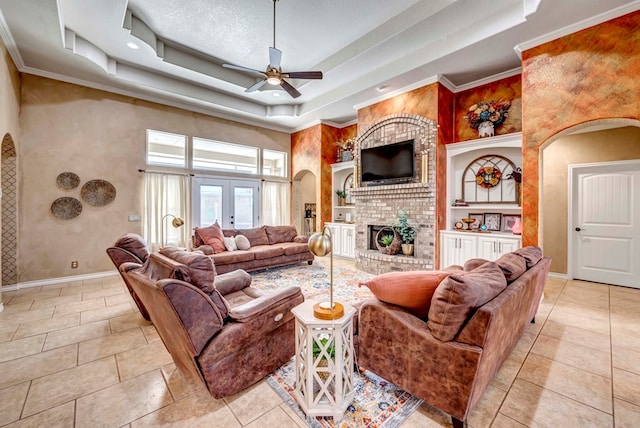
(147, 171)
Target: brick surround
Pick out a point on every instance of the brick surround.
(378, 205)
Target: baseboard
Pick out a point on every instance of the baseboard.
(50, 281)
(558, 275)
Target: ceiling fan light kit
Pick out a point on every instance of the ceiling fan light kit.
(274, 74)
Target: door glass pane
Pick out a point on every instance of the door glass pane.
(243, 203)
(210, 204)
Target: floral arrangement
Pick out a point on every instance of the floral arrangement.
(488, 177)
(346, 144)
(488, 111)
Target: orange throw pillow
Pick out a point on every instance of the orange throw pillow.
(411, 290)
(213, 237)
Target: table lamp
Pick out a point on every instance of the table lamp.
(320, 244)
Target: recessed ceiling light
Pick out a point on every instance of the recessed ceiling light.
(276, 94)
(132, 45)
(381, 88)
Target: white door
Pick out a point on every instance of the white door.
(233, 203)
(605, 223)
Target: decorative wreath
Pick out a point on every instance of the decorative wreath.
(488, 177)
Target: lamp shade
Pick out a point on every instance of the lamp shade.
(320, 244)
(177, 222)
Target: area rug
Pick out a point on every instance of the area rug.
(314, 281)
(377, 403)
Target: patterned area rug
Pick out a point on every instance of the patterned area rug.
(377, 403)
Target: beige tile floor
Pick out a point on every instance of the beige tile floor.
(79, 354)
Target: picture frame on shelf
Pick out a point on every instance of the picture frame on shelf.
(479, 217)
(508, 220)
(493, 221)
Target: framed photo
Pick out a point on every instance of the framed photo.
(479, 220)
(508, 221)
(493, 221)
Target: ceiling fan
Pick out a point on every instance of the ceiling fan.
(274, 74)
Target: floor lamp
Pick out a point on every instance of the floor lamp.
(176, 223)
(320, 244)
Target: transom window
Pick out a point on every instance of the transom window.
(166, 149)
(216, 155)
(274, 163)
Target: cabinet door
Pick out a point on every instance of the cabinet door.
(487, 248)
(348, 241)
(336, 238)
(448, 250)
(507, 245)
(467, 249)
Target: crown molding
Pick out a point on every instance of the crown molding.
(392, 94)
(509, 73)
(578, 26)
(10, 43)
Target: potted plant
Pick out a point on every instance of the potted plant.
(407, 233)
(331, 350)
(342, 197)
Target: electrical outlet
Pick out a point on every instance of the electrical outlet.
(74, 264)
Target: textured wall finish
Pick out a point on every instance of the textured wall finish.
(585, 76)
(101, 135)
(508, 89)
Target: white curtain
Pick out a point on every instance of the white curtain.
(167, 196)
(276, 205)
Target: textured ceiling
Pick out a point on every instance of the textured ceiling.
(359, 45)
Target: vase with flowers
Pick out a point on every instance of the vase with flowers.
(485, 116)
(345, 149)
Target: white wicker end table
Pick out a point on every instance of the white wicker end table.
(324, 361)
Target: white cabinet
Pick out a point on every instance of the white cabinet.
(492, 247)
(458, 247)
(344, 239)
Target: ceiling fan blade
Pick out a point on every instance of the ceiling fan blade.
(304, 74)
(275, 57)
(241, 68)
(290, 89)
(256, 86)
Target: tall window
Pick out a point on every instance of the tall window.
(274, 163)
(215, 155)
(166, 149)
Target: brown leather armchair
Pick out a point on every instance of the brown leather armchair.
(217, 328)
(130, 248)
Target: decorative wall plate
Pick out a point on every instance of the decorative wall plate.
(68, 180)
(98, 193)
(66, 208)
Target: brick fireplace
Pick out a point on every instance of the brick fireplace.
(378, 206)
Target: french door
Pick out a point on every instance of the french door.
(605, 223)
(235, 204)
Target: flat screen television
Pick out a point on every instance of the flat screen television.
(393, 163)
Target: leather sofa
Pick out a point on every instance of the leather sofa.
(270, 246)
(216, 327)
(475, 317)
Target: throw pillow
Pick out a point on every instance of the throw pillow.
(230, 244)
(456, 298)
(256, 235)
(512, 265)
(411, 290)
(279, 234)
(532, 255)
(213, 237)
(242, 242)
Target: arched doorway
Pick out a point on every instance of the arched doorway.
(606, 140)
(9, 212)
(304, 202)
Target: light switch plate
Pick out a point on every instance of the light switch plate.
(134, 217)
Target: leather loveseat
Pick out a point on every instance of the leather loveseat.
(268, 246)
(216, 327)
(448, 348)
